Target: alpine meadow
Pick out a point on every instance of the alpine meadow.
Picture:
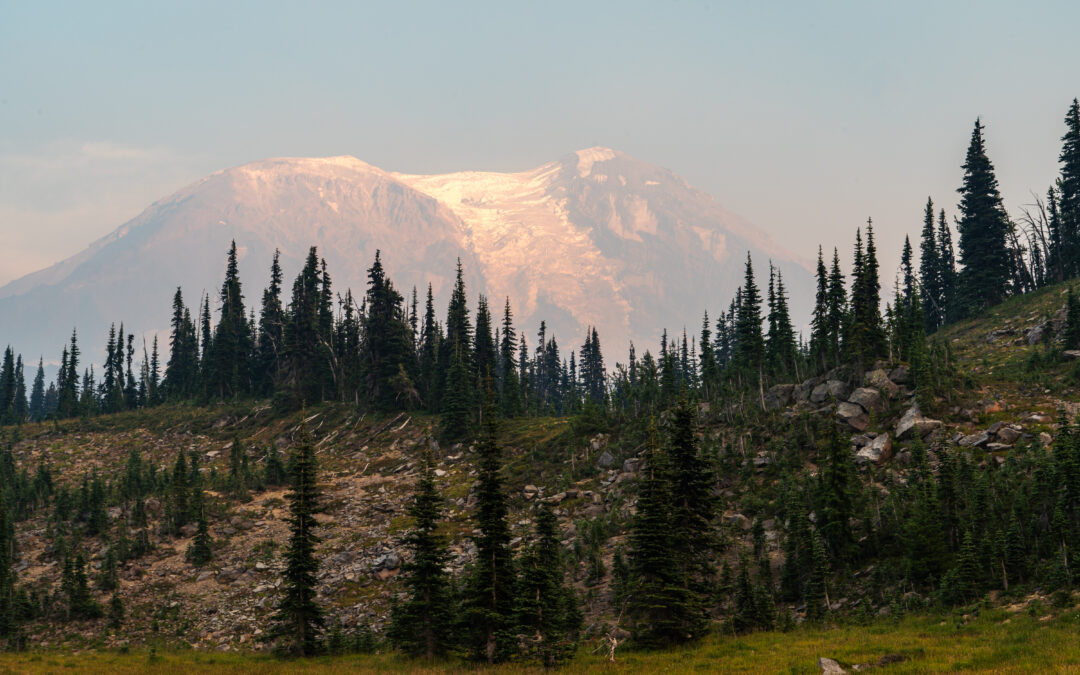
(307, 414)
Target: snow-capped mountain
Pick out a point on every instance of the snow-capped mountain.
(595, 238)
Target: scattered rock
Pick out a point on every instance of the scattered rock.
(913, 423)
(878, 451)
(900, 375)
(830, 667)
(631, 465)
(1008, 435)
(975, 440)
(997, 447)
(778, 396)
(606, 460)
(880, 380)
(869, 399)
(1045, 438)
(854, 415)
(829, 389)
(1071, 354)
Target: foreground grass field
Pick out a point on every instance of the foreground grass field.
(997, 641)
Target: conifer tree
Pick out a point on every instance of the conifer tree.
(930, 272)
(749, 343)
(228, 361)
(837, 485)
(7, 571)
(181, 371)
(661, 605)
(984, 226)
(819, 321)
(489, 606)
(37, 393)
(780, 346)
(947, 268)
(509, 384)
(548, 616)
(421, 625)
(299, 618)
(388, 363)
(815, 593)
(838, 307)
(199, 552)
(865, 335)
(271, 339)
(1068, 186)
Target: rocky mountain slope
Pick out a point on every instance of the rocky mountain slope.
(369, 465)
(595, 238)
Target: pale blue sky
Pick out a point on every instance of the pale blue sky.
(803, 117)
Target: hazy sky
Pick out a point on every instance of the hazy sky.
(804, 117)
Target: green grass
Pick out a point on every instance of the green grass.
(996, 641)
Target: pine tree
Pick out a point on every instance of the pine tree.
(781, 346)
(819, 322)
(865, 335)
(547, 614)
(837, 312)
(1068, 186)
(661, 605)
(37, 393)
(421, 625)
(303, 364)
(227, 364)
(984, 226)
(947, 267)
(930, 273)
(838, 483)
(182, 369)
(388, 363)
(270, 346)
(456, 417)
(8, 621)
(815, 592)
(510, 403)
(749, 343)
(1071, 339)
(299, 618)
(199, 552)
(489, 606)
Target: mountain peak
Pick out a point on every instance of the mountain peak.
(595, 238)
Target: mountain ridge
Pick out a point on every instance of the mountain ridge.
(594, 238)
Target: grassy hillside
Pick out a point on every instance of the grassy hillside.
(1008, 370)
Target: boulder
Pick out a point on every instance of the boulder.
(836, 389)
(830, 667)
(997, 447)
(801, 393)
(762, 460)
(1008, 435)
(868, 398)
(854, 415)
(606, 460)
(1035, 334)
(778, 396)
(530, 492)
(974, 440)
(880, 380)
(1045, 438)
(631, 465)
(878, 451)
(1071, 354)
(900, 375)
(914, 424)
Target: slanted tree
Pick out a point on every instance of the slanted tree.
(422, 624)
(299, 618)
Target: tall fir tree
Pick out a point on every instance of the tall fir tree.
(1068, 186)
(547, 613)
(299, 618)
(422, 624)
(819, 322)
(984, 227)
(749, 342)
(930, 273)
(489, 605)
